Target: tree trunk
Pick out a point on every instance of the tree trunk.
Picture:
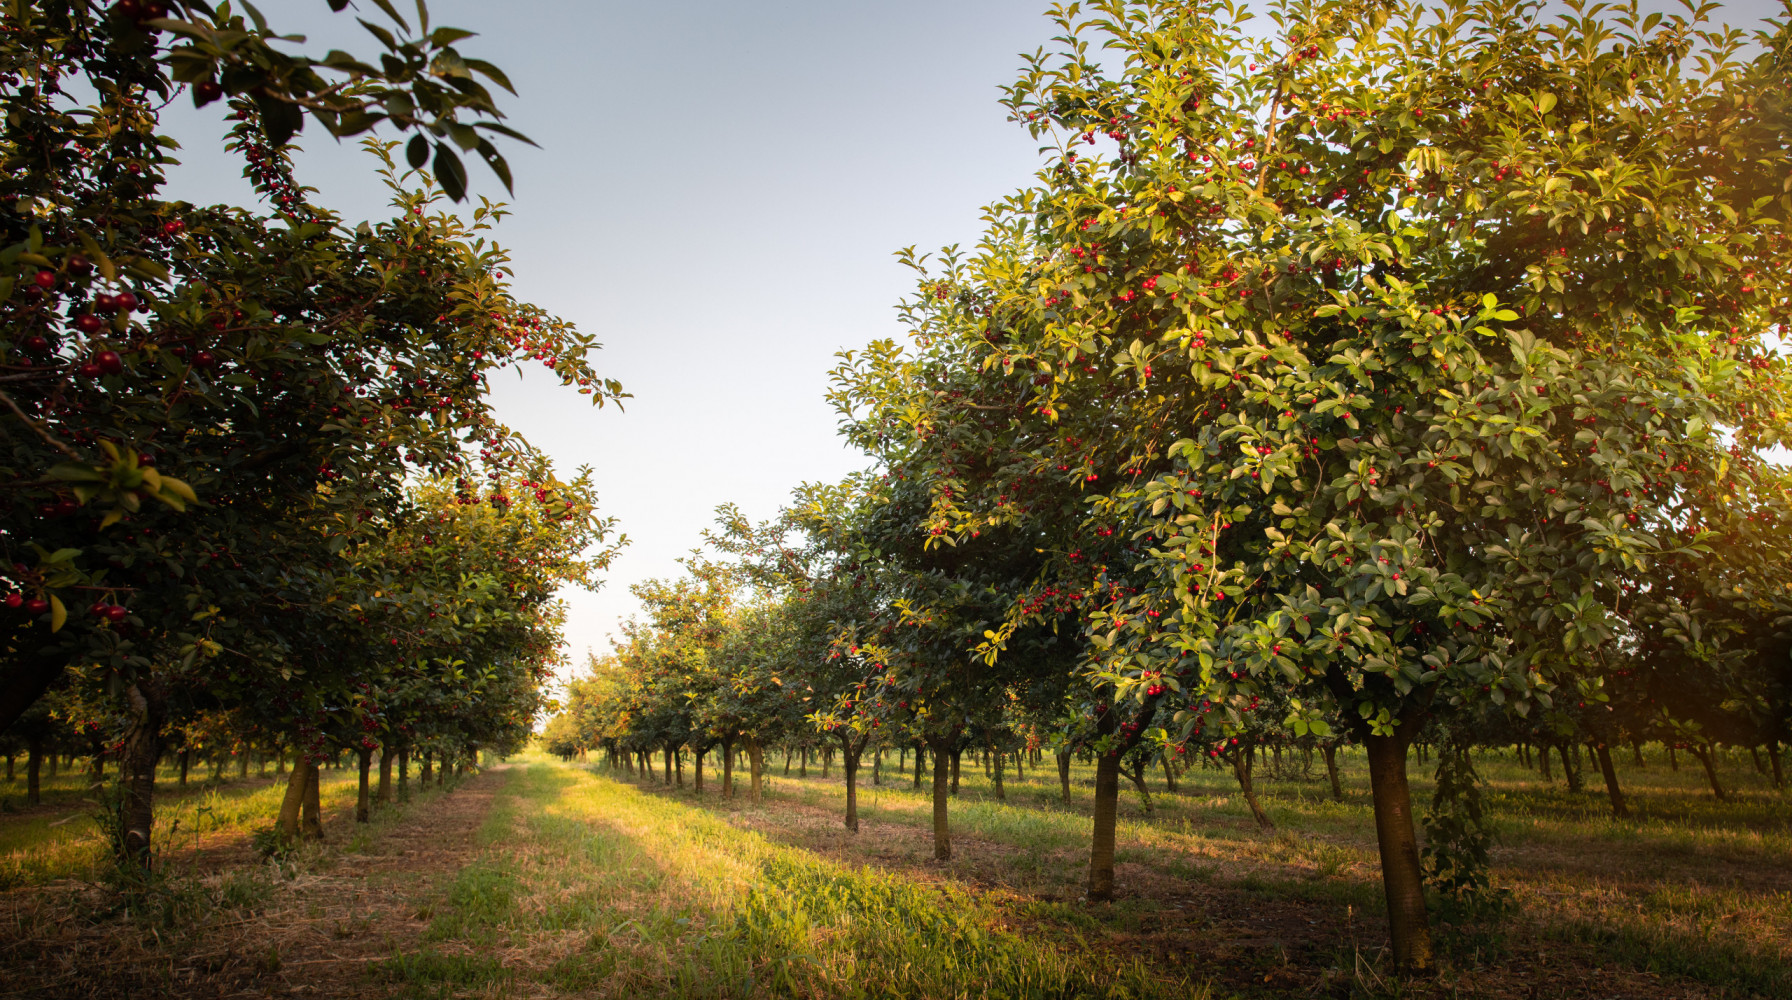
(1169, 774)
(404, 775)
(1773, 757)
(1137, 776)
(1330, 753)
(668, 767)
(802, 763)
(1020, 771)
(9, 771)
(428, 769)
(1636, 754)
(728, 769)
(34, 765)
(385, 791)
(849, 770)
(1569, 770)
(288, 823)
(1704, 754)
(242, 765)
(1400, 875)
(919, 767)
(1241, 769)
(186, 759)
(1754, 754)
(996, 774)
(137, 763)
(1101, 842)
(364, 794)
(786, 762)
(697, 769)
(1673, 760)
(942, 834)
(1543, 762)
(1603, 754)
(311, 820)
(877, 766)
(756, 769)
(1064, 774)
(957, 754)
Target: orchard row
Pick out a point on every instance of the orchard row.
(1413, 373)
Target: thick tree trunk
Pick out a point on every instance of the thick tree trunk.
(1107, 813)
(428, 769)
(290, 806)
(996, 774)
(1400, 875)
(364, 794)
(137, 762)
(1064, 774)
(1604, 755)
(942, 833)
(311, 820)
(385, 791)
(1330, 753)
(1241, 769)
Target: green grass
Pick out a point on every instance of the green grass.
(593, 886)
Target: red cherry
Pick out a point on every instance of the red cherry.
(204, 359)
(14, 600)
(117, 613)
(36, 344)
(109, 362)
(172, 226)
(89, 323)
(45, 279)
(37, 606)
(125, 301)
(90, 370)
(105, 303)
(206, 92)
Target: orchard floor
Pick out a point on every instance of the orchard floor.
(544, 879)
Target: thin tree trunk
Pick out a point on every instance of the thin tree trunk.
(849, 769)
(34, 764)
(1020, 771)
(996, 774)
(311, 821)
(428, 769)
(1569, 769)
(877, 766)
(942, 833)
(364, 793)
(1169, 774)
(756, 768)
(1773, 757)
(668, 767)
(404, 775)
(919, 766)
(1673, 760)
(1101, 841)
(1330, 753)
(1137, 776)
(385, 791)
(1704, 754)
(1636, 754)
(1604, 755)
(697, 769)
(137, 764)
(186, 759)
(956, 756)
(290, 806)
(1064, 773)
(728, 769)
(1401, 880)
(786, 762)
(1543, 762)
(1241, 769)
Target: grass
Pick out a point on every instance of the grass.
(574, 880)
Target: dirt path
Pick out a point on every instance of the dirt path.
(318, 933)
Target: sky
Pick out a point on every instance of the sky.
(719, 192)
(718, 195)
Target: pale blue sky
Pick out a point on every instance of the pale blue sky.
(718, 194)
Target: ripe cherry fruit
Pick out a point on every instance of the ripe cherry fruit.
(109, 362)
(37, 606)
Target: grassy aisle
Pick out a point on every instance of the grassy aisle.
(594, 887)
